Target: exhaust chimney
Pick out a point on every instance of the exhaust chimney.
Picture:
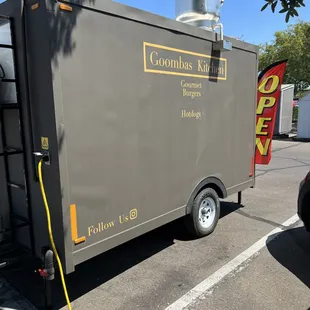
(199, 13)
(203, 14)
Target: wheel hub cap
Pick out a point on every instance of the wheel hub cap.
(207, 212)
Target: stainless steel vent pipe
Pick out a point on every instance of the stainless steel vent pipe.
(200, 13)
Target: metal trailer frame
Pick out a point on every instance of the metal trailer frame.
(127, 143)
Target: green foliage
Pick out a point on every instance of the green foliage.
(295, 114)
(288, 7)
(292, 44)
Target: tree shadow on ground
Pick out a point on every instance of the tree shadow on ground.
(291, 248)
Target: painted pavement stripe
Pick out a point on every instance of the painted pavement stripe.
(220, 274)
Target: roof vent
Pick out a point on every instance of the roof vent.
(203, 14)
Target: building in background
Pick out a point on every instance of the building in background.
(283, 124)
(303, 126)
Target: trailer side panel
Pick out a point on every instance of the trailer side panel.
(147, 114)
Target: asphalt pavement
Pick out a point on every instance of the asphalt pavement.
(163, 267)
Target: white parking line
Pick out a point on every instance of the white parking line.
(216, 277)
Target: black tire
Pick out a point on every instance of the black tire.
(192, 220)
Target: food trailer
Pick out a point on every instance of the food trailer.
(115, 121)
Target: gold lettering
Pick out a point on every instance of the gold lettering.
(167, 60)
(191, 114)
(192, 94)
(184, 84)
(263, 149)
(200, 69)
(273, 87)
(133, 214)
(90, 229)
(151, 58)
(265, 102)
(169, 63)
(104, 226)
(260, 125)
(174, 64)
(108, 225)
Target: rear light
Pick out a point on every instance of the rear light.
(307, 177)
(35, 6)
(65, 7)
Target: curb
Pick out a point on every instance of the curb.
(286, 137)
(301, 139)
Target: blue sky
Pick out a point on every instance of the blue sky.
(253, 26)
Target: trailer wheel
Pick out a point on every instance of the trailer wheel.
(204, 214)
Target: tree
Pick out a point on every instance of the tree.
(288, 7)
(292, 44)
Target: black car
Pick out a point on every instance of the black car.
(304, 201)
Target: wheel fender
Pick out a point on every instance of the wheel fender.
(213, 182)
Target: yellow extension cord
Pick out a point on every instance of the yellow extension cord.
(49, 225)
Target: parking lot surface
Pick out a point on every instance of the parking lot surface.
(257, 258)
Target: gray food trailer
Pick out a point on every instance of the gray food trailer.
(140, 120)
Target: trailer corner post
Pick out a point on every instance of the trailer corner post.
(48, 274)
